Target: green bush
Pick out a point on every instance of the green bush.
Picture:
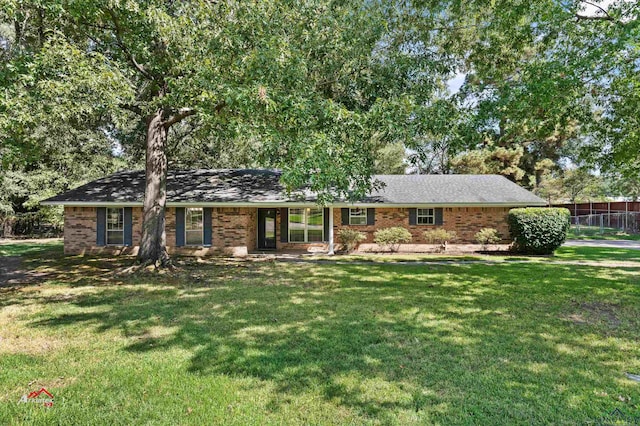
(350, 239)
(439, 236)
(538, 230)
(392, 237)
(487, 236)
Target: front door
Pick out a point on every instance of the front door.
(266, 229)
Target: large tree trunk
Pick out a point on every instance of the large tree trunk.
(153, 247)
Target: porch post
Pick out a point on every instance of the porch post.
(331, 252)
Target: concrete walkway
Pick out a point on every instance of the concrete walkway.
(623, 244)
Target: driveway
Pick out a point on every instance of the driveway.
(625, 244)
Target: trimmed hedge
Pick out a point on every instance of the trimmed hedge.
(392, 237)
(350, 239)
(487, 236)
(537, 230)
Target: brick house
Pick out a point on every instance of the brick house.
(246, 210)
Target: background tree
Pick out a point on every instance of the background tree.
(390, 159)
(500, 160)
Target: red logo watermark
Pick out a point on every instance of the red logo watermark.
(41, 396)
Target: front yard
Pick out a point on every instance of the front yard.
(265, 342)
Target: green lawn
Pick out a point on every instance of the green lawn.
(224, 342)
(563, 254)
(593, 233)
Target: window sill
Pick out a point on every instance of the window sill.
(305, 242)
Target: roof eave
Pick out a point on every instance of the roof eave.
(296, 203)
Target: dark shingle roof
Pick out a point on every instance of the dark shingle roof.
(263, 186)
(452, 189)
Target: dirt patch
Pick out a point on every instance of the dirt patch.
(12, 272)
(595, 313)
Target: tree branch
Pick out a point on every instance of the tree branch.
(179, 116)
(118, 34)
(593, 17)
(598, 17)
(597, 6)
(133, 108)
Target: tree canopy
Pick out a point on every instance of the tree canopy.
(327, 91)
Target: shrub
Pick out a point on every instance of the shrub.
(487, 236)
(439, 236)
(350, 239)
(392, 237)
(538, 230)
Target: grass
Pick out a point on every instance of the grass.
(25, 248)
(593, 233)
(281, 343)
(563, 254)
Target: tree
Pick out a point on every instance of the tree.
(552, 77)
(501, 161)
(571, 185)
(624, 183)
(311, 85)
(389, 159)
(43, 149)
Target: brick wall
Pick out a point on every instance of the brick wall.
(233, 232)
(465, 221)
(235, 229)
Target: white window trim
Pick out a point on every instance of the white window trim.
(191, 230)
(432, 216)
(358, 216)
(306, 225)
(107, 230)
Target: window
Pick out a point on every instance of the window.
(193, 228)
(115, 227)
(357, 216)
(306, 225)
(426, 217)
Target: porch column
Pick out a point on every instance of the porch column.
(331, 252)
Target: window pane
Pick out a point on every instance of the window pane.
(296, 235)
(194, 238)
(115, 238)
(315, 235)
(270, 227)
(193, 219)
(315, 225)
(296, 225)
(193, 226)
(296, 216)
(115, 219)
(425, 217)
(357, 216)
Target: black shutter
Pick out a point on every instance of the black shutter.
(326, 224)
(284, 225)
(371, 216)
(179, 226)
(345, 216)
(128, 226)
(413, 216)
(206, 218)
(439, 220)
(101, 226)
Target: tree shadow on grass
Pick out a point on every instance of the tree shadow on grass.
(376, 339)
